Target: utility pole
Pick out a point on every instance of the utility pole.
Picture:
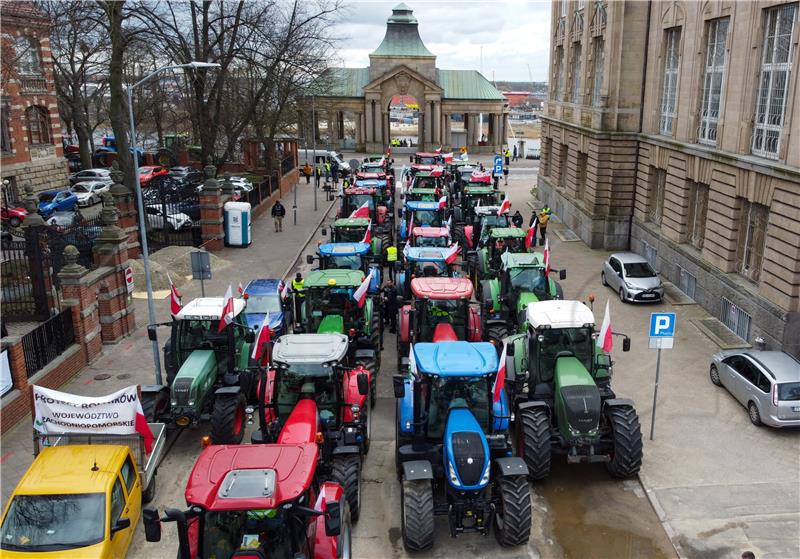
(314, 148)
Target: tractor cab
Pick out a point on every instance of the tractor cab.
(500, 240)
(421, 262)
(428, 179)
(523, 281)
(418, 194)
(350, 229)
(349, 256)
(430, 237)
(476, 194)
(328, 305)
(484, 220)
(421, 214)
(427, 158)
(355, 197)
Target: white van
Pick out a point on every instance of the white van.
(322, 156)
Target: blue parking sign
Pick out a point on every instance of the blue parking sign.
(662, 325)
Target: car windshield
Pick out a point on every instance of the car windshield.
(262, 304)
(261, 529)
(528, 279)
(352, 262)
(53, 522)
(555, 340)
(431, 242)
(80, 188)
(46, 197)
(789, 391)
(447, 393)
(639, 270)
(427, 218)
(310, 380)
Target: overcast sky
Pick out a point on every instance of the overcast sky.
(513, 34)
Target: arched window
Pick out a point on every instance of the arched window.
(28, 59)
(38, 121)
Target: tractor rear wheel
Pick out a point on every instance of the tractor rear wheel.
(386, 242)
(416, 511)
(513, 521)
(228, 419)
(346, 471)
(495, 334)
(533, 441)
(155, 405)
(626, 458)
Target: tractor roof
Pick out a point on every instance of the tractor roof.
(508, 233)
(427, 154)
(425, 254)
(341, 278)
(344, 249)
(478, 189)
(356, 190)
(265, 475)
(486, 210)
(352, 222)
(435, 172)
(417, 167)
(370, 183)
(459, 163)
(456, 359)
(208, 308)
(366, 175)
(310, 348)
(424, 190)
(432, 232)
(559, 314)
(373, 157)
(419, 205)
(521, 260)
(442, 289)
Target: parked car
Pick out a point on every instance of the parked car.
(13, 216)
(149, 172)
(263, 297)
(73, 162)
(187, 173)
(91, 175)
(632, 277)
(89, 192)
(56, 201)
(767, 383)
(62, 219)
(157, 219)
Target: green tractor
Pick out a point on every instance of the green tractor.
(560, 384)
(327, 306)
(486, 262)
(208, 374)
(354, 230)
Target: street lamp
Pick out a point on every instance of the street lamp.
(314, 148)
(151, 311)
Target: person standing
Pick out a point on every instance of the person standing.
(544, 217)
(307, 172)
(318, 174)
(278, 211)
(390, 304)
(514, 154)
(335, 173)
(505, 172)
(327, 172)
(517, 219)
(298, 286)
(507, 156)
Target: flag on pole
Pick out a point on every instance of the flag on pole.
(283, 289)
(604, 340)
(382, 162)
(389, 152)
(412, 361)
(262, 339)
(500, 378)
(442, 202)
(481, 176)
(362, 211)
(530, 238)
(174, 298)
(227, 311)
(360, 294)
(547, 257)
(451, 254)
(505, 206)
(449, 223)
(241, 289)
(368, 234)
(438, 150)
(448, 157)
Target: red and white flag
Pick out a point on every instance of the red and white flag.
(449, 223)
(438, 150)
(448, 157)
(141, 426)
(604, 340)
(284, 289)
(262, 339)
(442, 202)
(547, 257)
(360, 294)
(505, 206)
(530, 238)
(478, 176)
(362, 211)
(227, 311)
(174, 298)
(389, 152)
(451, 254)
(241, 289)
(368, 234)
(500, 378)
(382, 162)
(412, 361)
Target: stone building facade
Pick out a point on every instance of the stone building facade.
(31, 150)
(673, 129)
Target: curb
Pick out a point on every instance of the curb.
(662, 516)
(308, 240)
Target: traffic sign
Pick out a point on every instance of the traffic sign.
(129, 279)
(498, 166)
(662, 336)
(662, 325)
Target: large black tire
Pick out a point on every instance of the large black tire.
(495, 334)
(416, 513)
(170, 362)
(228, 419)
(386, 242)
(533, 441)
(346, 471)
(402, 351)
(155, 405)
(150, 491)
(366, 415)
(345, 543)
(513, 521)
(626, 458)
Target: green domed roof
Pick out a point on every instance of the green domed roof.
(402, 35)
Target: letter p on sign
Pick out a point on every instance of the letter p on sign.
(662, 325)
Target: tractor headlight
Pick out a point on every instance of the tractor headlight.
(250, 412)
(485, 476)
(453, 476)
(356, 411)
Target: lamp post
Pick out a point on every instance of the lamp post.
(314, 146)
(151, 311)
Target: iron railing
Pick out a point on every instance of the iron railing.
(47, 341)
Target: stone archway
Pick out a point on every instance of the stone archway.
(404, 121)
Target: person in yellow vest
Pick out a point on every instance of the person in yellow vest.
(307, 172)
(391, 259)
(544, 217)
(298, 285)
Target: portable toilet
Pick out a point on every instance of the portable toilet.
(237, 224)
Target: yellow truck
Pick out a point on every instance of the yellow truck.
(82, 496)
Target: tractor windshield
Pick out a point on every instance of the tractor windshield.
(427, 219)
(355, 201)
(442, 317)
(266, 530)
(552, 341)
(529, 279)
(430, 269)
(352, 262)
(350, 234)
(426, 182)
(441, 394)
(307, 380)
(421, 241)
(202, 334)
(326, 303)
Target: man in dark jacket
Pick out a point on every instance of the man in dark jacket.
(517, 219)
(390, 306)
(278, 211)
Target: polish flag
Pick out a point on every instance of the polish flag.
(389, 152)
(412, 361)
(241, 289)
(448, 157)
(362, 211)
(442, 202)
(262, 339)
(449, 223)
(227, 311)
(451, 254)
(604, 339)
(500, 379)
(438, 150)
(547, 257)
(174, 298)
(284, 289)
(360, 294)
(368, 234)
(382, 162)
(141, 426)
(478, 176)
(530, 238)
(505, 206)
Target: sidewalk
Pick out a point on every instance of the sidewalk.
(131, 361)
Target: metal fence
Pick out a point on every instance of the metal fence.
(47, 341)
(261, 191)
(172, 216)
(23, 293)
(735, 319)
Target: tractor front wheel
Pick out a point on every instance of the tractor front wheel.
(626, 458)
(416, 503)
(495, 334)
(228, 419)
(513, 522)
(533, 441)
(155, 405)
(347, 473)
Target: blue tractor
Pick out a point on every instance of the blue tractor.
(349, 256)
(453, 453)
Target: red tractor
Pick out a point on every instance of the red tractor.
(262, 500)
(440, 311)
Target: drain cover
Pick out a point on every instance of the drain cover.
(123, 376)
(103, 376)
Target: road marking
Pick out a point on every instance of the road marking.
(6, 456)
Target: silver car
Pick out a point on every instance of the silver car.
(632, 278)
(767, 383)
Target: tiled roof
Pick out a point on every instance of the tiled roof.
(343, 82)
(467, 84)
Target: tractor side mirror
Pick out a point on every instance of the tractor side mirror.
(250, 336)
(152, 524)
(333, 519)
(363, 384)
(398, 381)
(309, 259)
(152, 333)
(602, 361)
(120, 524)
(324, 231)
(626, 344)
(562, 274)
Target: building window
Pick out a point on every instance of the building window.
(5, 127)
(577, 24)
(28, 59)
(580, 185)
(545, 156)
(776, 65)
(698, 210)
(597, 73)
(669, 98)
(562, 165)
(563, 8)
(559, 73)
(716, 35)
(658, 186)
(575, 69)
(752, 238)
(38, 121)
